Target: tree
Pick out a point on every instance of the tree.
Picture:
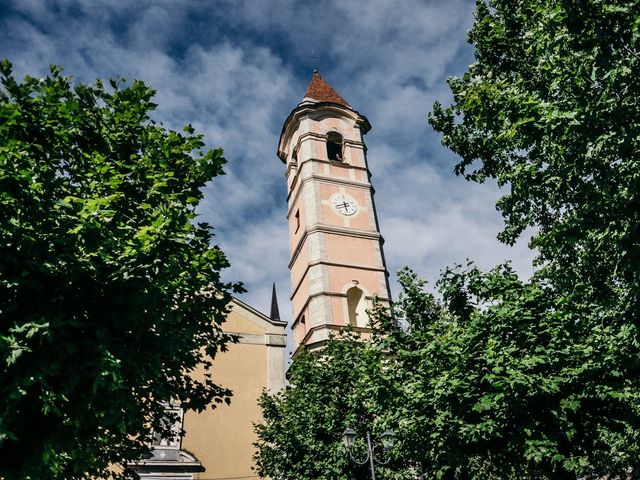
(346, 386)
(494, 380)
(110, 293)
(550, 110)
(502, 379)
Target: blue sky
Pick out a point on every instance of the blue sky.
(235, 69)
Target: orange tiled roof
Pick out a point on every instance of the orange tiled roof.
(321, 91)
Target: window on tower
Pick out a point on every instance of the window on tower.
(334, 146)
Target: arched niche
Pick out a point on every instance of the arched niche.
(357, 307)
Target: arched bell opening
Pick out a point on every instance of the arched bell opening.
(334, 146)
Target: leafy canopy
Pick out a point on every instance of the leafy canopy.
(110, 293)
(551, 110)
(346, 386)
(504, 378)
(495, 380)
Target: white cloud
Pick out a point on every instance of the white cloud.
(234, 69)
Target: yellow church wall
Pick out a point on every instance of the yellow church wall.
(237, 322)
(222, 439)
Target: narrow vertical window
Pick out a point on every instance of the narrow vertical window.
(334, 146)
(172, 421)
(297, 220)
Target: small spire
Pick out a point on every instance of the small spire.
(275, 311)
(320, 91)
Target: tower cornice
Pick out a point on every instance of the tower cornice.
(333, 230)
(308, 342)
(295, 287)
(317, 109)
(325, 179)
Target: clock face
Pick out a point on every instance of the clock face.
(344, 204)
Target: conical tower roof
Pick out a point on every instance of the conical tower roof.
(320, 91)
(320, 96)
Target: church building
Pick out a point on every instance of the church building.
(337, 267)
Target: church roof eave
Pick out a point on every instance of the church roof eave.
(259, 314)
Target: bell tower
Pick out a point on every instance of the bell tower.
(337, 263)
